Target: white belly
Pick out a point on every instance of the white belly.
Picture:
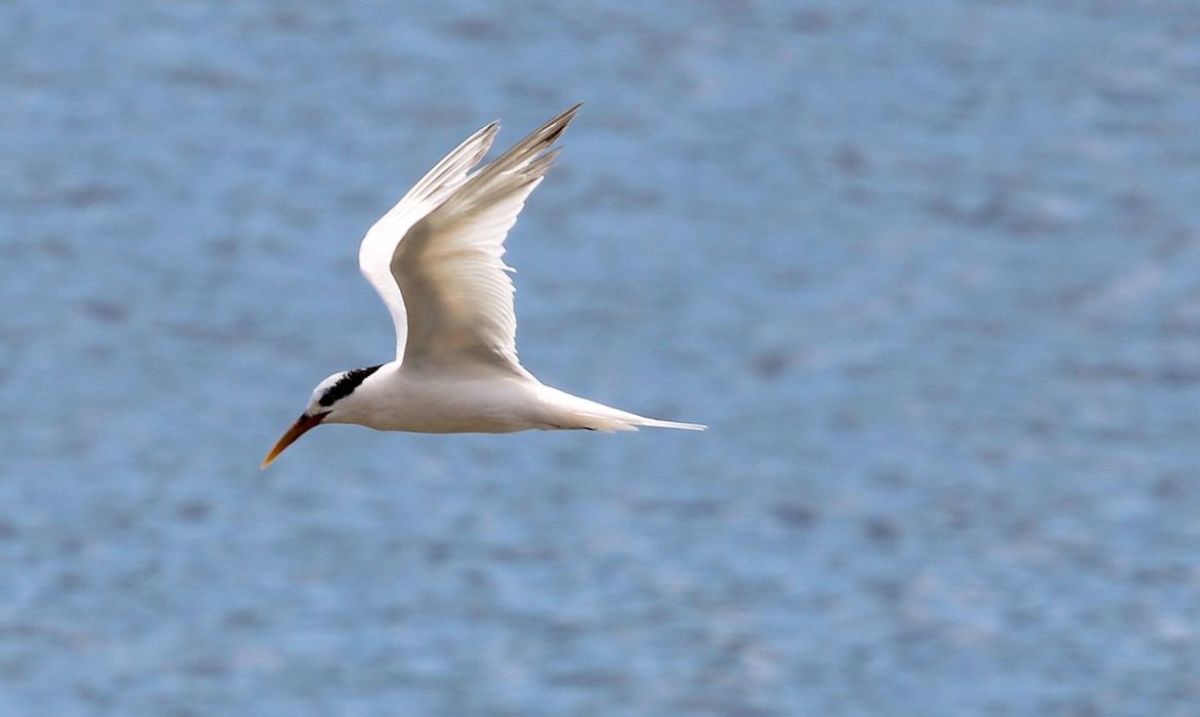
(487, 401)
(426, 404)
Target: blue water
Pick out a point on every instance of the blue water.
(929, 270)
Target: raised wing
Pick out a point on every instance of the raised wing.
(379, 245)
(450, 266)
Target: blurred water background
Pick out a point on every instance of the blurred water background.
(929, 270)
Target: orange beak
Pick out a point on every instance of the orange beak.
(303, 424)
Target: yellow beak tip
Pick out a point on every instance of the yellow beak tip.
(302, 425)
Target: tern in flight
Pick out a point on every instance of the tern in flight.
(436, 261)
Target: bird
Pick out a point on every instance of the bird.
(436, 260)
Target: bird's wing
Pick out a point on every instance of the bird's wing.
(379, 245)
(450, 266)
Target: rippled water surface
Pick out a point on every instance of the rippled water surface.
(929, 270)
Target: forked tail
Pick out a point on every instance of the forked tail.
(656, 423)
(575, 412)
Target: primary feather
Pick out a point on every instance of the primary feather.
(450, 266)
(379, 244)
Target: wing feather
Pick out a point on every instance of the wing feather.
(379, 245)
(450, 265)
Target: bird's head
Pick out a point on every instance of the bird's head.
(328, 398)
